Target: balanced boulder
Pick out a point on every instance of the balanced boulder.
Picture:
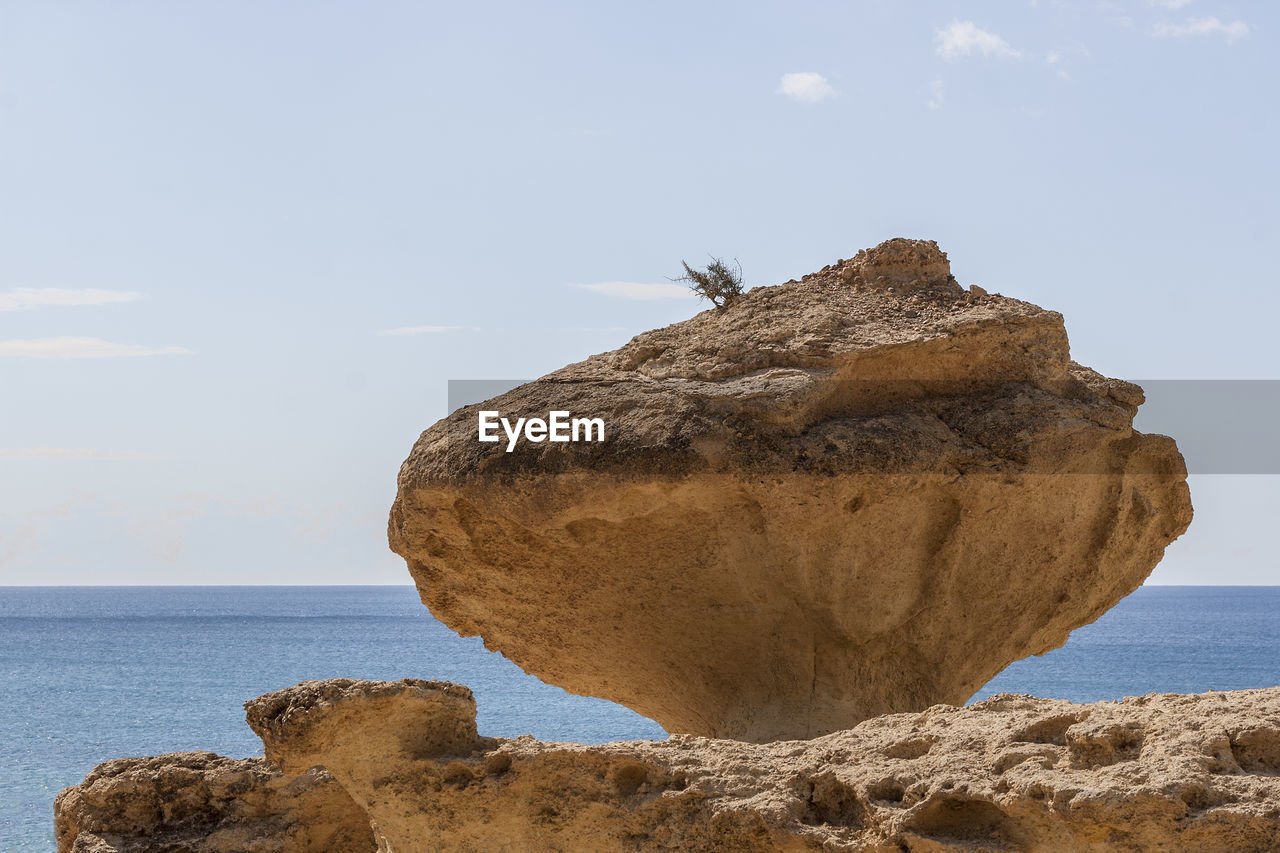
(860, 493)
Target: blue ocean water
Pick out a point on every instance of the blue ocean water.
(103, 672)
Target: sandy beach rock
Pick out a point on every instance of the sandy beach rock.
(198, 802)
(1159, 772)
(863, 492)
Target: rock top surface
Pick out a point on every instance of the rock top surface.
(862, 492)
(412, 717)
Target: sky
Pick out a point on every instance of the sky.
(244, 246)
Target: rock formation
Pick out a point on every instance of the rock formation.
(1159, 772)
(198, 802)
(863, 492)
(859, 493)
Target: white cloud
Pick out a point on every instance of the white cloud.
(936, 92)
(638, 290)
(21, 298)
(75, 453)
(1054, 59)
(81, 348)
(1233, 30)
(806, 86)
(1058, 59)
(423, 330)
(1169, 4)
(965, 38)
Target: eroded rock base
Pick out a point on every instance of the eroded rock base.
(1012, 773)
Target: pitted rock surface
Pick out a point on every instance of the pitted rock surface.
(1012, 773)
(199, 802)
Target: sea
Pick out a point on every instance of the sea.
(95, 673)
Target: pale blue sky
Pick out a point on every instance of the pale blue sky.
(209, 211)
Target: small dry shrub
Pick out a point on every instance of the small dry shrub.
(719, 282)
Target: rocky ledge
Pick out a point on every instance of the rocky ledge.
(1012, 773)
(198, 802)
(863, 492)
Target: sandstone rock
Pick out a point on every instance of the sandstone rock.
(1159, 772)
(311, 722)
(198, 802)
(864, 492)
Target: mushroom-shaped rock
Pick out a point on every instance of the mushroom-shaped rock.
(863, 492)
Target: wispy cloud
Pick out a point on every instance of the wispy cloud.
(1211, 26)
(936, 93)
(74, 453)
(423, 330)
(638, 290)
(807, 86)
(23, 298)
(1061, 57)
(35, 524)
(1169, 4)
(1054, 60)
(82, 348)
(591, 329)
(965, 38)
